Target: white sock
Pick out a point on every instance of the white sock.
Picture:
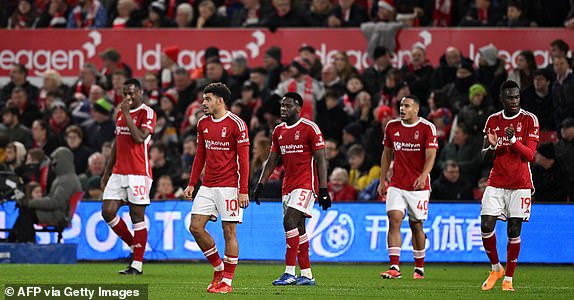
(307, 273)
(420, 269)
(506, 278)
(219, 267)
(290, 270)
(227, 281)
(496, 267)
(137, 265)
(396, 267)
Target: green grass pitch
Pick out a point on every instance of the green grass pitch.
(342, 281)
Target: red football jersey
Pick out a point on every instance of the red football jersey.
(409, 144)
(510, 171)
(133, 158)
(296, 144)
(220, 139)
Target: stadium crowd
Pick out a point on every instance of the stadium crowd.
(351, 107)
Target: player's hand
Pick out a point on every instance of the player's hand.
(382, 188)
(104, 181)
(420, 182)
(125, 105)
(492, 137)
(324, 198)
(243, 200)
(188, 193)
(257, 192)
(509, 131)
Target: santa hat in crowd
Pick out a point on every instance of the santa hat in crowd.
(172, 52)
(303, 65)
(387, 4)
(171, 95)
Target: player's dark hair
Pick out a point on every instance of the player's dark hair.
(181, 71)
(296, 97)
(259, 70)
(509, 84)
(415, 99)
(544, 73)
(22, 68)
(133, 81)
(515, 3)
(560, 44)
(220, 90)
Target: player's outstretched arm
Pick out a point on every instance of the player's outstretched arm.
(109, 167)
(324, 197)
(385, 165)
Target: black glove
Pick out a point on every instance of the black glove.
(324, 198)
(257, 192)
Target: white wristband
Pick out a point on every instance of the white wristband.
(513, 140)
(491, 147)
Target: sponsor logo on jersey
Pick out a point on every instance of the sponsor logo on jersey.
(122, 130)
(402, 146)
(288, 149)
(216, 145)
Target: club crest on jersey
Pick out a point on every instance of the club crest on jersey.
(224, 132)
(297, 135)
(519, 127)
(417, 135)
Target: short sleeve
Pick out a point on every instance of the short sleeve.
(533, 133)
(488, 125)
(148, 119)
(200, 138)
(431, 138)
(317, 141)
(274, 145)
(242, 137)
(387, 138)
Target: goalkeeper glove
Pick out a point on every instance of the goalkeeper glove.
(324, 198)
(257, 192)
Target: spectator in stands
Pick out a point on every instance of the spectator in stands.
(156, 17)
(457, 92)
(54, 86)
(334, 157)
(272, 63)
(101, 128)
(127, 15)
(514, 16)
(569, 23)
(372, 139)
(42, 137)
(168, 65)
(24, 16)
(53, 208)
(209, 17)
(347, 14)
(442, 120)
(343, 66)
(214, 72)
(351, 135)
(94, 189)
(418, 72)
(160, 164)
(319, 12)
(15, 155)
(548, 177)
(36, 168)
(353, 86)
(479, 190)
(81, 110)
(537, 99)
(307, 52)
(239, 74)
(363, 109)
(55, 16)
(362, 172)
(59, 121)
(563, 89)
(303, 84)
(96, 167)
(151, 89)
(524, 71)
(107, 150)
(565, 152)
(330, 80)
(81, 89)
(445, 73)
(450, 185)
(112, 60)
(390, 89)
(18, 78)
(384, 11)
(116, 94)
(482, 13)
(558, 47)
(13, 129)
(74, 139)
(168, 121)
(284, 14)
(184, 15)
(491, 71)
(187, 158)
(473, 116)
(465, 151)
(339, 187)
(374, 75)
(26, 106)
(331, 117)
(184, 87)
(260, 151)
(165, 189)
(88, 14)
(251, 14)
(250, 98)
